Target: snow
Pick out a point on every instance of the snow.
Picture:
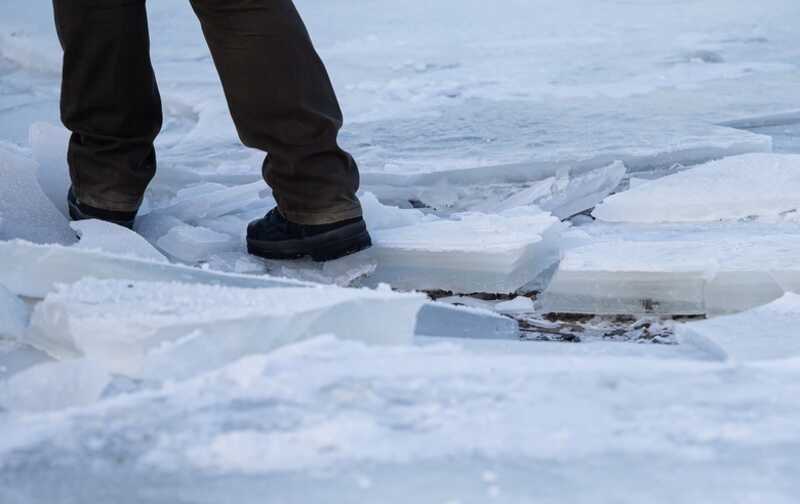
(731, 188)
(765, 333)
(172, 330)
(475, 131)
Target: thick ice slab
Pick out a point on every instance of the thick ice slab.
(174, 330)
(33, 270)
(697, 270)
(113, 239)
(731, 188)
(468, 253)
(765, 333)
(25, 212)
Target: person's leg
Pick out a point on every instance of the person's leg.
(109, 100)
(282, 102)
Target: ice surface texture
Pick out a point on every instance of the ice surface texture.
(25, 212)
(172, 330)
(731, 188)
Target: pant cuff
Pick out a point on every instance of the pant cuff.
(105, 204)
(319, 218)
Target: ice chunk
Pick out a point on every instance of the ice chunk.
(171, 330)
(192, 206)
(469, 253)
(193, 244)
(689, 274)
(49, 144)
(764, 333)
(451, 321)
(566, 195)
(106, 237)
(14, 314)
(25, 212)
(54, 386)
(379, 216)
(519, 304)
(33, 270)
(731, 188)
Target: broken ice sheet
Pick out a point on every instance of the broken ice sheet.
(174, 330)
(25, 211)
(765, 333)
(731, 188)
(677, 270)
(107, 237)
(192, 244)
(49, 145)
(470, 252)
(33, 270)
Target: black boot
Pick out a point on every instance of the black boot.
(80, 211)
(274, 237)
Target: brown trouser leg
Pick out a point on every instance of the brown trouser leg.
(109, 100)
(278, 91)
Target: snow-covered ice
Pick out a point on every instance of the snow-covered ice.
(765, 333)
(172, 330)
(751, 185)
(475, 130)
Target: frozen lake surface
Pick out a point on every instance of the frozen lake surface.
(168, 366)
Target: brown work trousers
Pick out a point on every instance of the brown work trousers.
(277, 88)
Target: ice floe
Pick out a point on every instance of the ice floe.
(765, 333)
(34, 270)
(677, 271)
(469, 252)
(737, 187)
(173, 330)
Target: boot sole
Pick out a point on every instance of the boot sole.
(322, 247)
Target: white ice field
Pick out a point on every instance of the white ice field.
(168, 366)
